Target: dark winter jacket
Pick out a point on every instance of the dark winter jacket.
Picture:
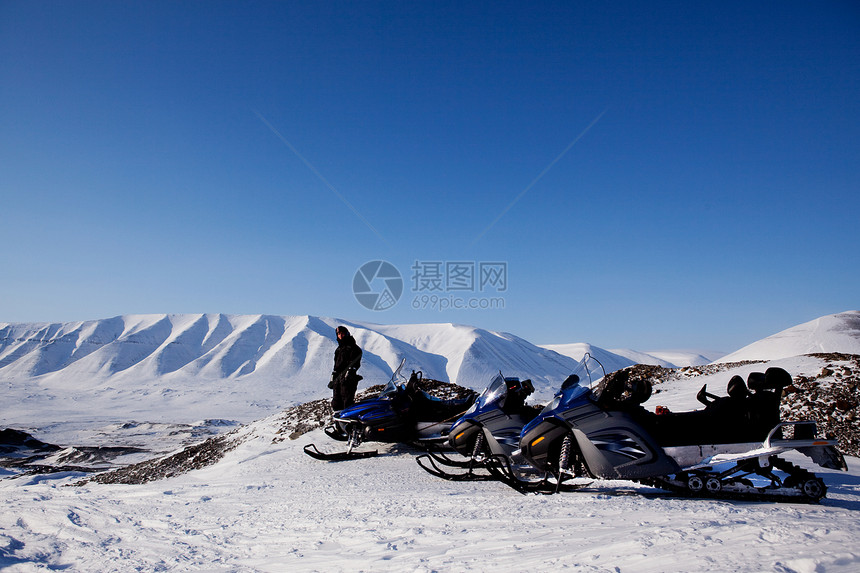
(347, 357)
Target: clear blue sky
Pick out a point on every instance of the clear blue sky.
(199, 157)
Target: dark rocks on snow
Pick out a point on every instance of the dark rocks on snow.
(193, 457)
(831, 399)
(708, 369)
(15, 441)
(24, 453)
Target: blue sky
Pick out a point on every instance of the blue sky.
(249, 158)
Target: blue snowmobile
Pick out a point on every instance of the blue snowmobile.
(596, 427)
(402, 412)
(487, 434)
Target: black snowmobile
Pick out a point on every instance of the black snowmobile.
(487, 436)
(403, 412)
(596, 427)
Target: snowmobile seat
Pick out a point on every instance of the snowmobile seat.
(740, 417)
(619, 392)
(737, 388)
(732, 413)
(412, 383)
(773, 379)
(680, 428)
(755, 380)
(570, 381)
(427, 408)
(765, 399)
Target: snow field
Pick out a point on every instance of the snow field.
(268, 507)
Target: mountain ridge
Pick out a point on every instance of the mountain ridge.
(246, 366)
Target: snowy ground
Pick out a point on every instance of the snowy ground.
(268, 507)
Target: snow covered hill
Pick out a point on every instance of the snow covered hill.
(191, 367)
(618, 358)
(832, 333)
(610, 360)
(234, 367)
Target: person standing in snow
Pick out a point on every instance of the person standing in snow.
(344, 379)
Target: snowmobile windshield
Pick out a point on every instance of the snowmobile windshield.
(392, 388)
(389, 391)
(496, 391)
(584, 379)
(589, 372)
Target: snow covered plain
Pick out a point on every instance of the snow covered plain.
(271, 508)
(267, 507)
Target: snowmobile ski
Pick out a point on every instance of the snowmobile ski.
(442, 458)
(314, 452)
(431, 464)
(504, 472)
(490, 428)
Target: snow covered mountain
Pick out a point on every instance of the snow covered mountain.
(611, 360)
(831, 333)
(189, 367)
(236, 367)
(618, 358)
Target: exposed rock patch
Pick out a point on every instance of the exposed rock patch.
(193, 457)
(832, 399)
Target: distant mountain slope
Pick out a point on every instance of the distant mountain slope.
(682, 358)
(610, 360)
(290, 347)
(831, 333)
(190, 367)
(617, 358)
(236, 367)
